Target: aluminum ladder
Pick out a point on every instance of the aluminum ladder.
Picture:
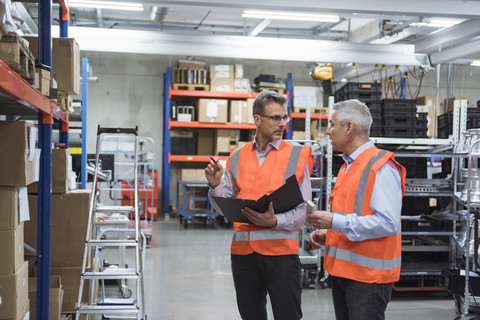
(124, 308)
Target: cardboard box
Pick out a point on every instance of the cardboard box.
(450, 102)
(61, 168)
(205, 142)
(19, 162)
(250, 110)
(25, 313)
(238, 71)
(429, 106)
(241, 85)
(11, 250)
(298, 135)
(190, 64)
(66, 65)
(70, 278)
(42, 81)
(212, 110)
(69, 226)
(238, 111)
(222, 84)
(9, 208)
(193, 175)
(221, 71)
(14, 292)
(224, 141)
(56, 296)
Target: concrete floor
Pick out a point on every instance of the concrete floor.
(188, 277)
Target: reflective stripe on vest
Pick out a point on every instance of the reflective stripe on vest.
(265, 235)
(234, 160)
(292, 161)
(362, 186)
(363, 261)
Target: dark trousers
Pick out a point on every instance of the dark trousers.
(254, 275)
(354, 300)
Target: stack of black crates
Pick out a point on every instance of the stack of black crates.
(395, 118)
(445, 122)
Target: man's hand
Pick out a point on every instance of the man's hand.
(266, 219)
(320, 219)
(317, 238)
(214, 172)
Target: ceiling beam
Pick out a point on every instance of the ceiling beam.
(151, 42)
(455, 53)
(259, 27)
(449, 37)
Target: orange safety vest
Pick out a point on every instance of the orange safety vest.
(372, 260)
(252, 181)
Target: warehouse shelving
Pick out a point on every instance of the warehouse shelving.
(171, 94)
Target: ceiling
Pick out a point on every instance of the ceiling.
(360, 23)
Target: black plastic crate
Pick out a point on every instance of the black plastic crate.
(416, 167)
(374, 106)
(422, 123)
(414, 206)
(377, 131)
(421, 133)
(361, 87)
(182, 146)
(426, 225)
(399, 104)
(399, 132)
(400, 122)
(376, 113)
(473, 121)
(455, 282)
(422, 116)
(378, 122)
(364, 97)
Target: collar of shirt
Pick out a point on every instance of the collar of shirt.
(272, 144)
(349, 159)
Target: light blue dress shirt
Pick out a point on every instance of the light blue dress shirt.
(386, 203)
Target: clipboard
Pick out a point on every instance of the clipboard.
(284, 199)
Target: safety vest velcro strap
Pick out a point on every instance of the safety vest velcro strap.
(363, 261)
(240, 236)
(273, 235)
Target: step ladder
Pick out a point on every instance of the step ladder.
(124, 308)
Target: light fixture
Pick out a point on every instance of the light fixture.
(475, 63)
(129, 6)
(282, 15)
(438, 22)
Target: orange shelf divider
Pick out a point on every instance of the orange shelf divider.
(313, 116)
(182, 158)
(206, 125)
(212, 94)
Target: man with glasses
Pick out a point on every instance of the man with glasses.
(264, 255)
(363, 240)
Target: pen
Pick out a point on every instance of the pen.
(213, 160)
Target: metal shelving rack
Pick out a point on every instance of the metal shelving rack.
(170, 94)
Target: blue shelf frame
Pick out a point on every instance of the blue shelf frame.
(166, 142)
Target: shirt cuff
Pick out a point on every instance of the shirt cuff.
(281, 221)
(217, 191)
(339, 222)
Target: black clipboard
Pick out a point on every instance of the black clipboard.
(284, 199)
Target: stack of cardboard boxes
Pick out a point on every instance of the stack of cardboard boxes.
(17, 170)
(70, 209)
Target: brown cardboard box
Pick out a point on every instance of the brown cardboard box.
(60, 172)
(25, 313)
(190, 64)
(238, 111)
(224, 139)
(222, 84)
(205, 142)
(14, 292)
(56, 295)
(239, 71)
(66, 67)
(428, 102)
(70, 278)
(212, 110)
(221, 71)
(11, 250)
(450, 102)
(250, 110)
(298, 135)
(69, 226)
(15, 169)
(193, 175)
(42, 81)
(9, 208)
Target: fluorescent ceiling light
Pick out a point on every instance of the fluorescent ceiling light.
(282, 15)
(438, 23)
(130, 6)
(475, 63)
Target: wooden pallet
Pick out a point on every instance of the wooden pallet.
(15, 53)
(193, 87)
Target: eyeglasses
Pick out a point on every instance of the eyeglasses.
(276, 119)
